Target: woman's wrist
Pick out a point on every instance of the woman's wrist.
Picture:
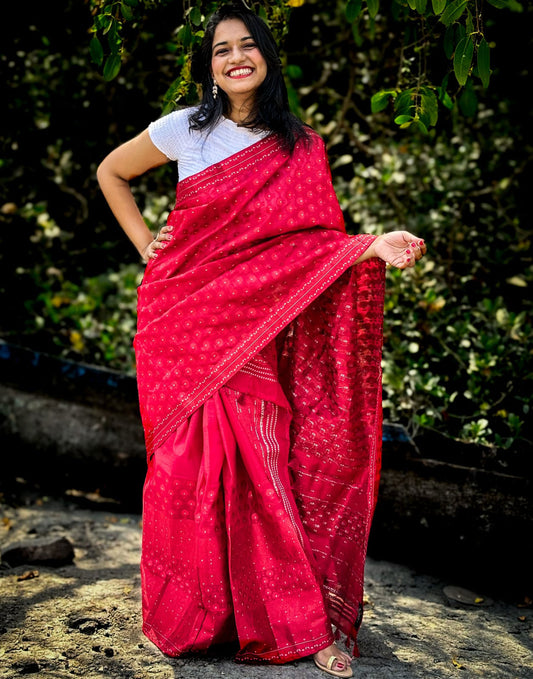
(375, 246)
(144, 251)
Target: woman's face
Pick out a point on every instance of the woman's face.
(236, 62)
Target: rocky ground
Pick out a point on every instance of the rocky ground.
(83, 618)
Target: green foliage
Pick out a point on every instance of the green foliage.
(92, 321)
(462, 42)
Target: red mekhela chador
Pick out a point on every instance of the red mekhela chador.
(258, 353)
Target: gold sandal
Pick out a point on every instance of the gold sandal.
(346, 672)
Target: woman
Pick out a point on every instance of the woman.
(258, 352)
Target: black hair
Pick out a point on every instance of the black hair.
(271, 105)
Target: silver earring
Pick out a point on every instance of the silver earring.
(215, 89)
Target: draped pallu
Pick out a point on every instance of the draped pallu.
(258, 356)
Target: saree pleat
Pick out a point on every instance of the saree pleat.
(226, 556)
(259, 353)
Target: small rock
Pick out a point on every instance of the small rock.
(48, 551)
(28, 575)
(88, 625)
(26, 667)
(465, 596)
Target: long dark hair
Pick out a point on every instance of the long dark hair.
(271, 105)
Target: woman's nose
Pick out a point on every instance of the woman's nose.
(236, 55)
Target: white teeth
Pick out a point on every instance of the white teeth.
(240, 71)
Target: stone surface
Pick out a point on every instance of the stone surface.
(49, 551)
(83, 619)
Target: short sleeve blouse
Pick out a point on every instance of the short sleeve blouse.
(196, 150)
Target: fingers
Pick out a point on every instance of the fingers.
(165, 233)
(415, 250)
(160, 241)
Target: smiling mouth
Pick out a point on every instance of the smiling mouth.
(240, 72)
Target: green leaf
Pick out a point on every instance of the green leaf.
(468, 101)
(353, 9)
(112, 67)
(449, 42)
(381, 99)
(358, 38)
(101, 22)
(453, 12)
(196, 16)
(438, 6)
(113, 38)
(126, 11)
(421, 5)
(294, 100)
(419, 125)
(402, 120)
(469, 23)
(373, 7)
(185, 35)
(412, 4)
(403, 104)
(483, 62)
(462, 59)
(444, 97)
(429, 105)
(132, 3)
(294, 71)
(110, 25)
(96, 50)
(262, 13)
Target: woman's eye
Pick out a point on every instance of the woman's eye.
(219, 52)
(249, 45)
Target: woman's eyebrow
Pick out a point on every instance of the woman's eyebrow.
(225, 42)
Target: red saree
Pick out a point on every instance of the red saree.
(258, 355)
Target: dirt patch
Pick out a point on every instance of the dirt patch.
(83, 619)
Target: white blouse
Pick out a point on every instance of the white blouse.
(195, 150)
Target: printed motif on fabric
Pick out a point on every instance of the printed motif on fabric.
(259, 367)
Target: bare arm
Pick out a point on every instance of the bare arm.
(114, 173)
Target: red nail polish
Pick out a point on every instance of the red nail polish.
(408, 252)
(420, 242)
(413, 245)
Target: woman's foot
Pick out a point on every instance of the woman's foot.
(339, 667)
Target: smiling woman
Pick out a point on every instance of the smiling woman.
(234, 40)
(237, 66)
(258, 351)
